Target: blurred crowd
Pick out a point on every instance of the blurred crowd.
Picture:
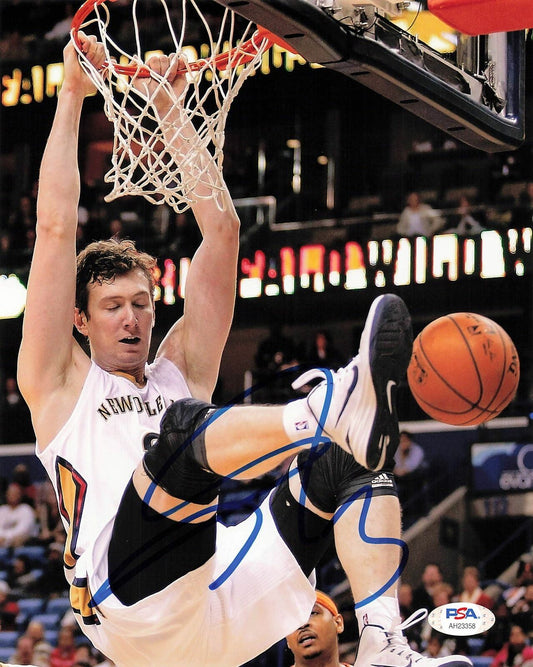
(159, 228)
(154, 228)
(37, 624)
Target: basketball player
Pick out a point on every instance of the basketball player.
(136, 451)
(316, 643)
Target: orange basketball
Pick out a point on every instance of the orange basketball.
(464, 369)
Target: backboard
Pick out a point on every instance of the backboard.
(474, 91)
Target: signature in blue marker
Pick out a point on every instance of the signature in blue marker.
(317, 443)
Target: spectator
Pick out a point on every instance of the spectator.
(405, 600)
(52, 582)
(9, 608)
(409, 458)
(17, 519)
(410, 471)
(523, 213)
(61, 29)
(418, 218)
(471, 589)
(316, 644)
(23, 653)
(69, 621)
(29, 242)
(22, 478)
(464, 223)
(41, 648)
(84, 656)
(7, 260)
(64, 654)
(323, 352)
(522, 612)
(516, 651)
(20, 576)
(498, 634)
(524, 577)
(436, 647)
(441, 594)
(21, 220)
(423, 594)
(13, 46)
(275, 354)
(50, 525)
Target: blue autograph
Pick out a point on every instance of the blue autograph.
(316, 440)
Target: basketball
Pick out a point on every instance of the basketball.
(464, 369)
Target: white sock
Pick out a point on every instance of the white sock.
(298, 420)
(383, 611)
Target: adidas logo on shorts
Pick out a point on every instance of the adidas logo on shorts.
(383, 479)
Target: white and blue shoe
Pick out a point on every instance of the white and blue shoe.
(356, 405)
(389, 648)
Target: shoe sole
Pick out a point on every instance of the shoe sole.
(385, 349)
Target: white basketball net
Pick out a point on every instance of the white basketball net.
(144, 161)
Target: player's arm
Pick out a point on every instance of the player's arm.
(48, 353)
(197, 341)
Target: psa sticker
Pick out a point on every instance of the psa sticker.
(461, 619)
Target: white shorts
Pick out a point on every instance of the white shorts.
(248, 596)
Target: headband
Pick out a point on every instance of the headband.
(325, 601)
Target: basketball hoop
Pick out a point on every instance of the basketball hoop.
(144, 159)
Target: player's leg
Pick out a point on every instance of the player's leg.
(166, 521)
(368, 542)
(329, 492)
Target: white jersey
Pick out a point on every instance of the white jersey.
(92, 458)
(249, 595)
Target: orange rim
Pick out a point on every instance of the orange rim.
(239, 55)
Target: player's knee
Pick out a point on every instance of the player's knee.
(177, 462)
(330, 477)
(184, 417)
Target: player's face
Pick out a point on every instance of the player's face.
(119, 322)
(318, 637)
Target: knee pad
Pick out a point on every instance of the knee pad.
(329, 477)
(177, 462)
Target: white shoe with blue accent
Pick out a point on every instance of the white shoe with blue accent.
(389, 648)
(356, 405)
